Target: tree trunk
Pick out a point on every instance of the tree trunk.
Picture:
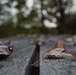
(60, 26)
(43, 28)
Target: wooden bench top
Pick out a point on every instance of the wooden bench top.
(17, 63)
(65, 66)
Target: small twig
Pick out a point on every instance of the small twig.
(35, 62)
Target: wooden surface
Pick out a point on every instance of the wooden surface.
(19, 61)
(65, 66)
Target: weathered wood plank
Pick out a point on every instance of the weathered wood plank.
(65, 66)
(17, 63)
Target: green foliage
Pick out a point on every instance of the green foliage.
(51, 7)
(7, 29)
(52, 3)
(39, 31)
(70, 24)
(20, 4)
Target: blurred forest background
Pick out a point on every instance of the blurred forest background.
(37, 17)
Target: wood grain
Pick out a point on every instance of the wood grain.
(65, 66)
(18, 62)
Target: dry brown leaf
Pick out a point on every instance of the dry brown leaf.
(58, 45)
